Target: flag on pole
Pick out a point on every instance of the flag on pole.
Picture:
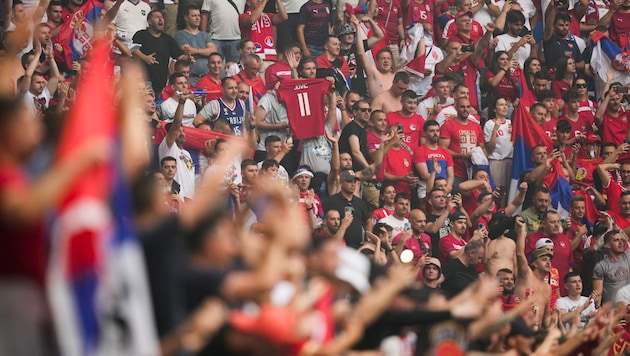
(96, 283)
(608, 55)
(526, 134)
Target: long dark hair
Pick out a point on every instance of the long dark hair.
(527, 73)
(493, 67)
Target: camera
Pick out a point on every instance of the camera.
(468, 48)
(501, 224)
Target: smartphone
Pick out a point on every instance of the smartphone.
(199, 92)
(622, 90)
(401, 128)
(468, 48)
(348, 210)
(480, 226)
(626, 141)
(556, 148)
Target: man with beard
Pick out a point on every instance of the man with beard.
(550, 229)
(227, 107)
(398, 220)
(431, 159)
(558, 42)
(532, 215)
(419, 242)
(157, 50)
(173, 145)
(506, 280)
(531, 280)
(516, 46)
(610, 274)
(452, 245)
(345, 201)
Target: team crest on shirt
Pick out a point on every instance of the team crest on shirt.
(580, 174)
(143, 12)
(269, 41)
(258, 47)
(412, 127)
(225, 110)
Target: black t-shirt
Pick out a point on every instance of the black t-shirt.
(163, 255)
(164, 48)
(435, 237)
(354, 233)
(199, 284)
(457, 277)
(344, 142)
(557, 48)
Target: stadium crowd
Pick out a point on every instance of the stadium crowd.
(390, 177)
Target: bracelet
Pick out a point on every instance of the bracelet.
(309, 208)
(182, 101)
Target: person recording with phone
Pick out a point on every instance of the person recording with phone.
(612, 121)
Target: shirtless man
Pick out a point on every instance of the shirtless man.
(379, 76)
(531, 281)
(389, 100)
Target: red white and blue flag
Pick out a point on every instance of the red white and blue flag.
(96, 277)
(76, 34)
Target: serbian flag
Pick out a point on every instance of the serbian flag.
(608, 55)
(527, 98)
(560, 189)
(96, 281)
(76, 34)
(526, 134)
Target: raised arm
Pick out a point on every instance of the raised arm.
(521, 259)
(255, 15)
(53, 80)
(173, 131)
(282, 15)
(30, 69)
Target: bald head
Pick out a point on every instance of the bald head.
(417, 220)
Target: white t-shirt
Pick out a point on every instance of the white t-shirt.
(504, 147)
(448, 113)
(505, 44)
(623, 295)
(293, 6)
(276, 113)
(185, 175)
(427, 105)
(132, 18)
(30, 99)
(569, 305)
(223, 24)
(169, 106)
(398, 225)
(421, 86)
(283, 175)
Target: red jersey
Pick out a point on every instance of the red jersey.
(275, 73)
(261, 33)
(560, 87)
(470, 201)
(421, 12)
(614, 129)
(388, 20)
(507, 87)
(417, 245)
(23, 246)
(339, 63)
(620, 28)
(579, 126)
(476, 30)
(587, 111)
(464, 137)
(550, 127)
(214, 89)
(470, 71)
(304, 100)
(586, 241)
(381, 213)
(613, 195)
(448, 244)
(397, 162)
(412, 127)
(424, 154)
(562, 252)
(585, 169)
(256, 85)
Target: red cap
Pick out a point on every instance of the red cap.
(593, 138)
(464, 13)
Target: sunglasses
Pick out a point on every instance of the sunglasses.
(365, 109)
(580, 85)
